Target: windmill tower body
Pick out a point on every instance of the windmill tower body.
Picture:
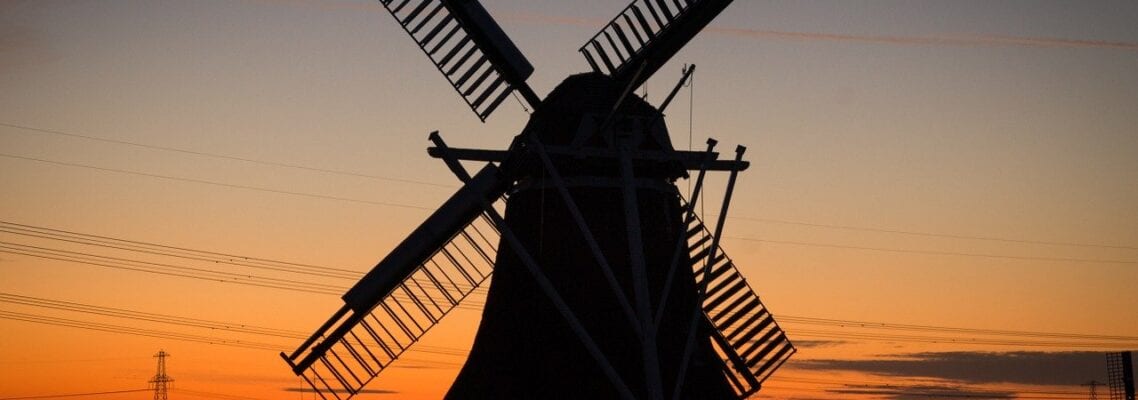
(523, 348)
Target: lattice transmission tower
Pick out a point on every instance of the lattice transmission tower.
(161, 382)
(1093, 385)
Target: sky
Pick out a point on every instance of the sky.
(916, 164)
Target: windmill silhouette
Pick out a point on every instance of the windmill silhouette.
(606, 283)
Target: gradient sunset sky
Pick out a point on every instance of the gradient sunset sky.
(969, 164)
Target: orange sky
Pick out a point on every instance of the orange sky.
(950, 164)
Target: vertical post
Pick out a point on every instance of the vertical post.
(1128, 374)
(697, 311)
(648, 348)
(739, 150)
(681, 239)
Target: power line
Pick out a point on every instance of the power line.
(475, 305)
(150, 317)
(390, 204)
(791, 319)
(462, 352)
(228, 278)
(66, 255)
(345, 199)
(418, 182)
(154, 249)
(121, 329)
(111, 328)
(53, 396)
(1078, 340)
(179, 271)
(940, 40)
(225, 157)
(214, 258)
(322, 271)
(932, 252)
(932, 234)
(184, 249)
(221, 184)
(355, 276)
(148, 264)
(83, 360)
(211, 394)
(430, 362)
(188, 272)
(889, 326)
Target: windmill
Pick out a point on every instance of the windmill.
(606, 282)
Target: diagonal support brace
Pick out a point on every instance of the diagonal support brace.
(590, 240)
(689, 346)
(681, 240)
(649, 349)
(543, 281)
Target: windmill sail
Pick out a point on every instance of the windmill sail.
(645, 35)
(469, 48)
(406, 294)
(744, 332)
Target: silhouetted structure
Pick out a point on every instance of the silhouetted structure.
(161, 382)
(609, 285)
(1120, 375)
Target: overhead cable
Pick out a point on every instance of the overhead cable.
(226, 157)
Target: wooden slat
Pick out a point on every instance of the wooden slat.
(400, 319)
(742, 319)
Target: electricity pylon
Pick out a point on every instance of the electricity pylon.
(1092, 384)
(161, 382)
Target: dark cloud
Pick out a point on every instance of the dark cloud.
(1032, 368)
(924, 392)
(808, 344)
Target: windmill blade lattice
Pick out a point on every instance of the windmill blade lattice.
(645, 35)
(422, 280)
(339, 370)
(468, 48)
(748, 338)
